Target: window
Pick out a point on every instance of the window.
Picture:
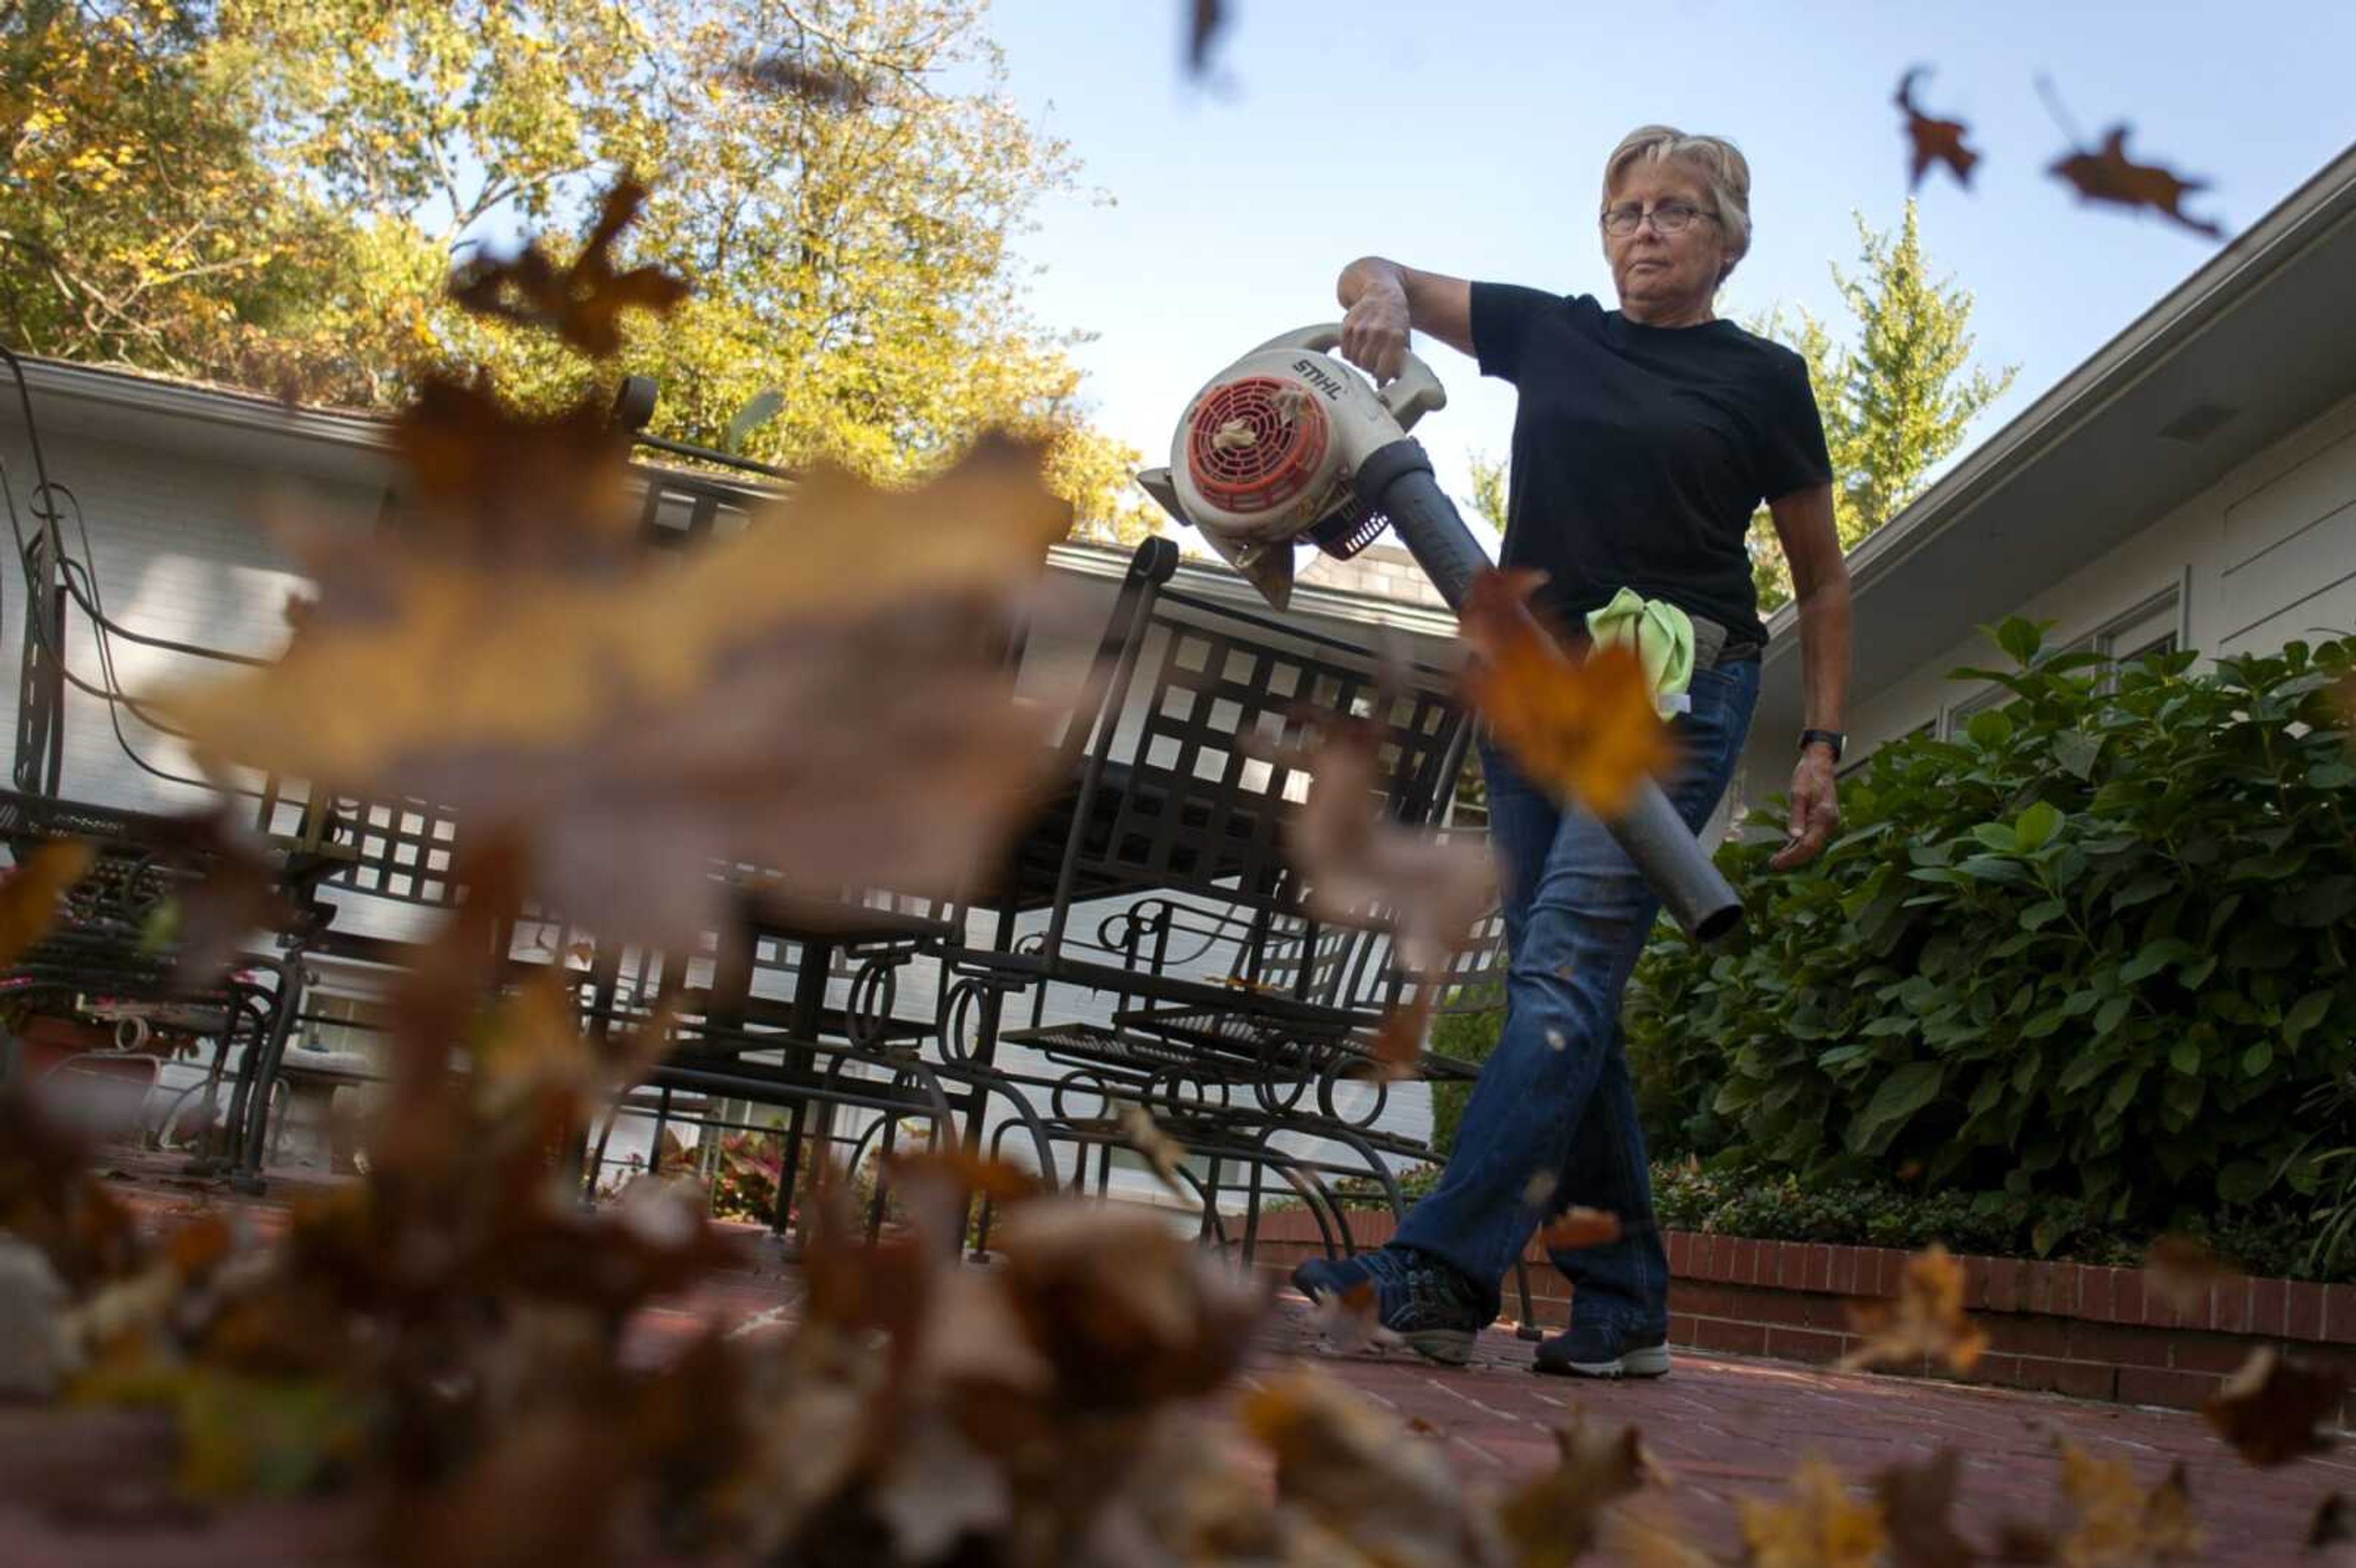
(1959, 717)
(2151, 628)
(2154, 626)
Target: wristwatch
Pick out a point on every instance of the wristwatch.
(1832, 737)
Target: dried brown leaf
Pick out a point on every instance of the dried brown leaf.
(2113, 1523)
(1205, 20)
(1165, 1155)
(827, 86)
(29, 897)
(2110, 175)
(1932, 140)
(1553, 1519)
(2269, 1410)
(581, 304)
(1130, 1313)
(1926, 1320)
(1645, 1533)
(1349, 1467)
(1361, 868)
(49, 1197)
(1578, 1227)
(1918, 1503)
(2182, 1269)
(1820, 1525)
(1351, 1320)
(2331, 1523)
(236, 895)
(821, 694)
(1397, 1050)
(575, 1467)
(1586, 728)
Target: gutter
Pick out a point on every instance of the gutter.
(2167, 329)
(138, 393)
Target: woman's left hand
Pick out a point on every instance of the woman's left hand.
(1815, 810)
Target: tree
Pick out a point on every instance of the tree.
(1489, 490)
(1894, 404)
(847, 219)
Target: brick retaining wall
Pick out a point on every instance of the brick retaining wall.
(2071, 1329)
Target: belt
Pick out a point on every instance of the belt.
(1711, 647)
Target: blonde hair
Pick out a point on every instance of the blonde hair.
(1719, 163)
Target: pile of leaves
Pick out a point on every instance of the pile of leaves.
(2097, 948)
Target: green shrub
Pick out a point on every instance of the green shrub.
(1465, 1037)
(2096, 949)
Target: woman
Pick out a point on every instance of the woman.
(1644, 440)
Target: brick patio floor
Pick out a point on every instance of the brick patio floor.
(1724, 1427)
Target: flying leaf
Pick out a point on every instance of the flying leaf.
(1589, 728)
(821, 694)
(1578, 1227)
(2332, 1524)
(1554, 1519)
(796, 76)
(1129, 1312)
(581, 304)
(1348, 1466)
(1206, 18)
(1646, 1532)
(1819, 1526)
(1934, 140)
(2269, 1409)
(2182, 1269)
(1165, 1154)
(235, 895)
(1361, 867)
(2114, 1524)
(29, 898)
(1351, 1320)
(2110, 175)
(1918, 1501)
(1925, 1320)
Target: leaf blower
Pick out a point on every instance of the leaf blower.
(1290, 444)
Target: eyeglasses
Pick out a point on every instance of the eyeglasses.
(1669, 217)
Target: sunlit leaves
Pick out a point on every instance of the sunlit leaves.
(1587, 728)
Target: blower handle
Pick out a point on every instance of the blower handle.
(1414, 392)
(1397, 481)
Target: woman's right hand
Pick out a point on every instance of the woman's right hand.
(1374, 332)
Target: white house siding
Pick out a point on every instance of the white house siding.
(177, 544)
(2264, 556)
(178, 552)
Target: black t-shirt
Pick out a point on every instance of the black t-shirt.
(1640, 452)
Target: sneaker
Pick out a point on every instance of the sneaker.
(1601, 1351)
(1427, 1305)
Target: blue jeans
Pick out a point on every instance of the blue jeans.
(1554, 1100)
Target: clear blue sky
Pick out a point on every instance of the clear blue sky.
(1466, 137)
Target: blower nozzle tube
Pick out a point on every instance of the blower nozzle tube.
(1397, 481)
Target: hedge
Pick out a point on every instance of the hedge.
(2097, 948)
